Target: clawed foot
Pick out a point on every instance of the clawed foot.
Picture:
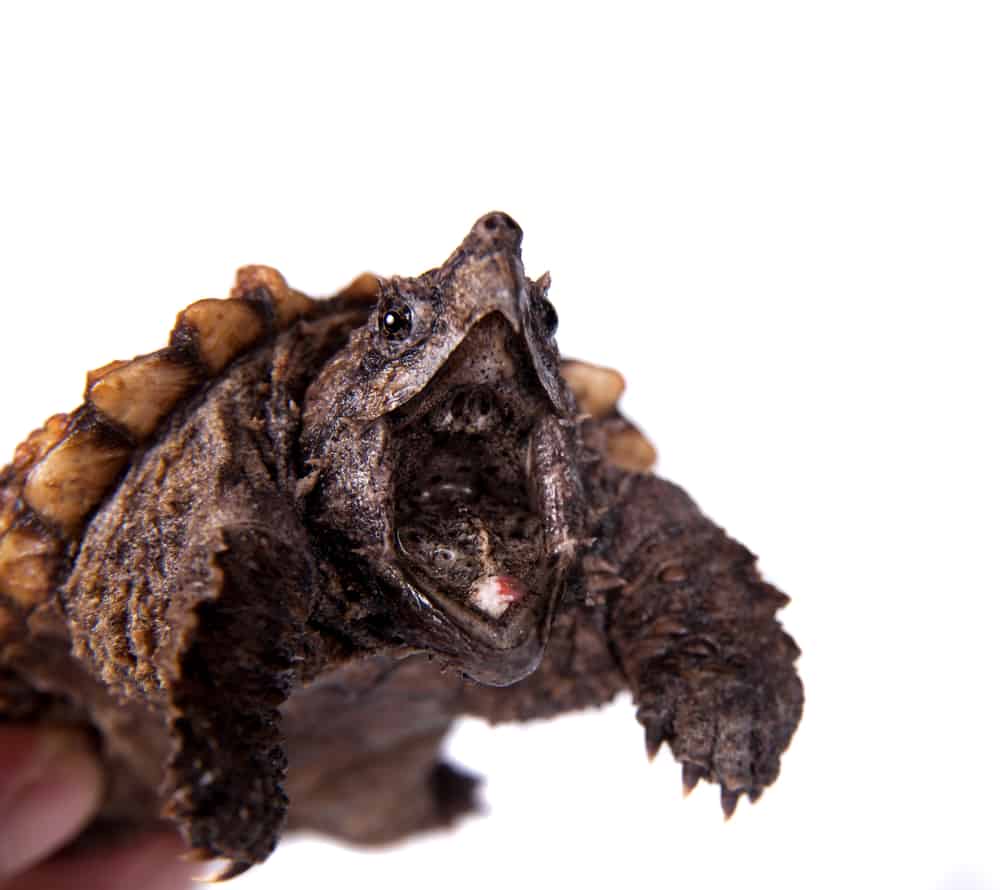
(724, 728)
(692, 774)
(227, 870)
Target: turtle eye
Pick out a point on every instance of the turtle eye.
(396, 322)
(550, 318)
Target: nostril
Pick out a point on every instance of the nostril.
(495, 220)
(500, 226)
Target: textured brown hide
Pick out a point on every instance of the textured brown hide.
(270, 564)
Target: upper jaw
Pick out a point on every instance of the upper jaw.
(532, 447)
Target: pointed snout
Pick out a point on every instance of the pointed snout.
(495, 231)
(485, 273)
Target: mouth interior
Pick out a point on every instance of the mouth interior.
(465, 522)
(466, 518)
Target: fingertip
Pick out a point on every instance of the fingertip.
(52, 787)
(149, 862)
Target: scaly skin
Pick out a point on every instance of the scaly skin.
(674, 611)
(254, 647)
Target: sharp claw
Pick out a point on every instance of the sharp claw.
(234, 871)
(691, 775)
(199, 854)
(654, 739)
(755, 794)
(228, 872)
(729, 801)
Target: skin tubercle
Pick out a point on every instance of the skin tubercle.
(285, 551)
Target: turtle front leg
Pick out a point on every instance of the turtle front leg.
(711, 670)
(238, 624)
(200, 620)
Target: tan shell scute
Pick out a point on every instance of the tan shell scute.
(28, 563)
(138, 394)
(288, 304)
(225, 329)
(26, 455)
(8, 508)
(37, 445)
(630, 449)
(102, 372)
(62, 471)
(74, 477)
(597, 389)
(367, 286)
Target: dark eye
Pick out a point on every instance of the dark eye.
(396, 322)
(550, 318)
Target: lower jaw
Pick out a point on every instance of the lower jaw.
(502, 652)
(508, 667)
(492, 653)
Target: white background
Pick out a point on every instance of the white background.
(780, 220)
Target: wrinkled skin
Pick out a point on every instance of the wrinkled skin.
(421, 440)
(266, 602)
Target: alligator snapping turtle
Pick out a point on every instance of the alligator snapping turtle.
(271, 563)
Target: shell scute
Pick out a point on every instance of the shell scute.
(102, 372)
(26, 455)
(287, 304)
(29, 560)
(62, 471)
(597, 389)
(38, 444)
(629, 449)
(365, 287)
(137, 395)
(75, 475)
(223, 329)
(8, 508)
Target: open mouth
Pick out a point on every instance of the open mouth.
(465, 522)
(475, 518)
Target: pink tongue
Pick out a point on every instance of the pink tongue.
(494, 594)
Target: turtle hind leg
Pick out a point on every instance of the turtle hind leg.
(454, 792)
(387, 796)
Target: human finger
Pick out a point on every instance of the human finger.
(149, 862)
(50, 787)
